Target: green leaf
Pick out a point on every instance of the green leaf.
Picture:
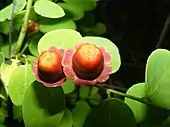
(139, 109)
(3, 114)
(47, 25)
(166, 123)
(66, 120)
(2, 58)
(4, 27)
(84, 92)
(17, 112)
(155, 116)
(30, 59)
(99, 29)
(7, 71)
(18, 19)
(94, 97)
(5, 48)
(111, 113)
(72, 11)
(68, 86)
(86, 5)
(61, 38)
(6, 12)
(109, 46)
(157, 78)
(18, 88)
(33, 44)
(48, 9)
(1, 40)
(80, 113)
(43, 106)
(72, 98)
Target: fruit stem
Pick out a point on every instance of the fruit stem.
(128, 96)
(24, 28)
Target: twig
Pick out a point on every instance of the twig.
(109, 90)
(164, 31)
(11, 27)
(24, 28)
(3, 98)
(22, 51)
(129, 96)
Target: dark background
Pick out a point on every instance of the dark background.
(135, 27)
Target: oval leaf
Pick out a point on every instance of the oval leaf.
(109, 46)
(33, 44)
(61, 38)
(94, 97)
(139, 109)
(72, 11)
(26, 77)
(80, 113)
(157, 77)
(47, 25)
(48, 9)
(6, 12)
(7, 70)
(43, 106)
(111, 113)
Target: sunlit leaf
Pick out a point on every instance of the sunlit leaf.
(2, 58)
(157, 78)
(139, 109)
(47, 25)
(109, 46)
(7, 71)
(48, 9)
(72, 11)
(111, 113)
(80, 113)
(18, 88)
(61, 38)
(43, 106)
(6, 12)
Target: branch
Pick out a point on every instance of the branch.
(24, 28)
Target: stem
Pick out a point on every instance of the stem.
(22, 51)
(129, 96)
(164, 31)
(24, 28)
(11, 27)
(3, 98)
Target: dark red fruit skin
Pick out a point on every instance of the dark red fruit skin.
(32, 28)
(88, 62)
(50, 72)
